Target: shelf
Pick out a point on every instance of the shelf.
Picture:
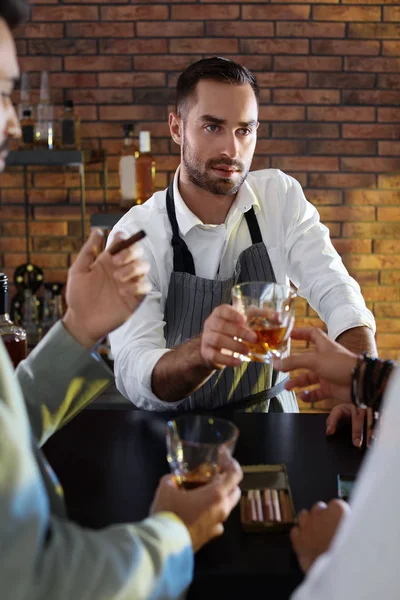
(105, 220)
(54, 158)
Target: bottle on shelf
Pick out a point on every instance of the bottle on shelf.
(127, 169)
(70, 128)
(24, 96)
(31, 318)
(28, 129)
(13, 336)
(52, 306)
(44, 131)
(145, 169)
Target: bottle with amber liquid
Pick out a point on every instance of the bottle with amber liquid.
(28, 129)
(13, 336)
(127, 169)
(70, 128)
(145, 169)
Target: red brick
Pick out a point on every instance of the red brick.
(389, 148)
(389, 181)
(370, 131)
(135, 46)
(65, 46)
(265, 96)
(387, 309)
(110, 113)
(40, 63)
(311, 30)
(375, 97)
(390, 48)
(388, 340)
(13, 228)
(391, 213)
(342, 147)
(274, 46)
(346, 13)
(370, 164)
(306, 163)
(344, 47)
(384, 325)
(254, 63)
(341, 114)
(282, 113)
(100, 30)
(158, 146)
(260, 162)
(341, 180)
(60, 179)
(72, 80)
(170, 28)
(314, 63)
(203, 45)
(391, 13)
(64, 13)
(373, 30)
(390, 278)
(372, 65)
(56, 244)
(49, 259)
(163, 63)
(281, 147)
(300, 96)
(305, 130)
(364, 277)
(389, 115)
(12, 244)
(134, 13)
(286, 80)
(371, 230)
(131, 80)
(40, 30)
(342, 80)
(334, 229)
(209, 12)
(235, 29)
(347, 213)
(49, 228)
(269, 12)
(168, 163)
(98, 63)
(387, 246)
(11, 179)
(373, 197)
(346, 246)
(90, 96)
(391, 81)
(324, 197)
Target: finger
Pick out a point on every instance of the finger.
(311, 334)
(339, 413)
(232, 330)
(232, 500)
(340, 508)
(295, 537)
(302, 380)
(312, 395)
(370, 426)
(89, 252)
(318, 507)
(126, 256)
(358, 416)
(217, 341)
(131, 271)
(228, 313)
(302, 518)
(134, 290)
(306, 360)
(230, 477)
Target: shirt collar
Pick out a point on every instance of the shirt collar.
(245, 199)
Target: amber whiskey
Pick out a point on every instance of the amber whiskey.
(145, 169)
(13, 336)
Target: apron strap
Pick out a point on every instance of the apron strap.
(183, 259)
(254, 399)
(253, 226)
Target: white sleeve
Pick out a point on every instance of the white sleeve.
(314, 266)
(363, 561)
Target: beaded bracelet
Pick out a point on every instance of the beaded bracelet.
(371, 375)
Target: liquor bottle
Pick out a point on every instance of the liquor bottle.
(30, 319)
(13, 336)
(70, 128)
(44, 131)
(145, 169)
(127, 169)
(24, 96)
(28, 129)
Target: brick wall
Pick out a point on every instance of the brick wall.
(330, 116)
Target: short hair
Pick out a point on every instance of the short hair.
(216, 68)
(14, 12)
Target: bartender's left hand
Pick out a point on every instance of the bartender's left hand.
(316, 529)
(103, 291)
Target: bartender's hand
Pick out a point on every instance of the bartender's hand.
(103, 290)
(203, 510)
(316, 529)
(218, 346)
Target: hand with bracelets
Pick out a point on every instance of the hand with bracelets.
(354, 383)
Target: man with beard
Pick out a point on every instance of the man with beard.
(218, 224)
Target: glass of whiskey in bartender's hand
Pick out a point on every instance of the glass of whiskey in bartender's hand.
(269, 309)
(196, 446)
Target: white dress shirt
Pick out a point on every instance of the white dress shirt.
(363, 561)
(298, 245)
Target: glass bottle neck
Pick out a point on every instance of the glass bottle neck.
(5, 319)
(3, 302)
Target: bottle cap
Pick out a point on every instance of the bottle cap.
(128, 129)
(27, 112)
(68, 104)
(144, 141)
(3, 282)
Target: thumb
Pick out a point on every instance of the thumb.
(89, 251)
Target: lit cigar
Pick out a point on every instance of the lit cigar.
(122, 244)
(267, 505)
(275, 505)
(259, 510)
(251, 506)
(286, 510)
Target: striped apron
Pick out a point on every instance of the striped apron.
(251, 386)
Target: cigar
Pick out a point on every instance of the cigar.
(286, 509)
(122, 244)
(275, 505)
(267, 505)
(259, 510)
(251, 505)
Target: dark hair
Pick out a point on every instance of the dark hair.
(216, 68)
(14, 12)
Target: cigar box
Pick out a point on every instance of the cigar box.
(259, 480)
